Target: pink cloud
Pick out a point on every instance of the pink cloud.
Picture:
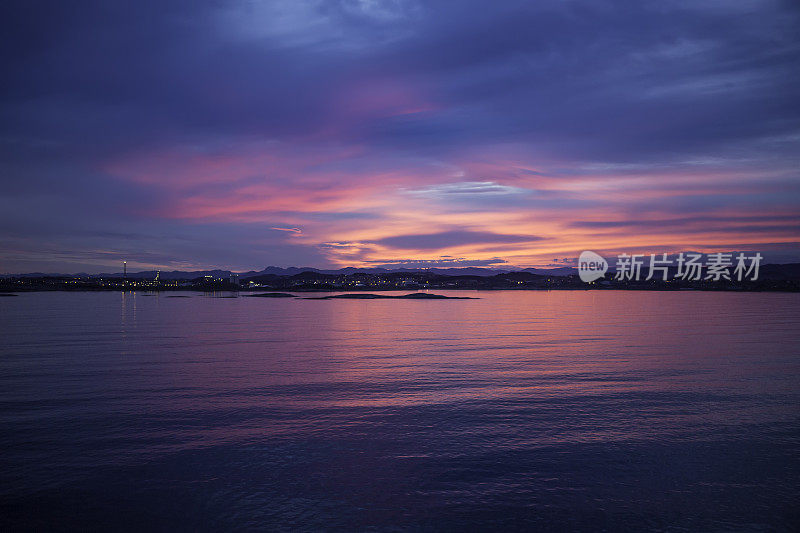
(307, 190)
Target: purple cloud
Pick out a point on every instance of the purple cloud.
(448, 239)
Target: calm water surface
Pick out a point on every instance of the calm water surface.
(564, 410)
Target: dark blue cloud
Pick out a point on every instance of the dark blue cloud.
(446, 239)
(621, 81)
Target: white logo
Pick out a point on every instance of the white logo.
(591, 266)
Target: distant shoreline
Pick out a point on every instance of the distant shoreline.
(771, 278)
(255, 292)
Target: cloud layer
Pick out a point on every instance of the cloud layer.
(241, 134)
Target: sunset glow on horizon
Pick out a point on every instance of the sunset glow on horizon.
(393, 132)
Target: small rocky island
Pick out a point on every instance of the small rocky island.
(362, 296)
(369, 296)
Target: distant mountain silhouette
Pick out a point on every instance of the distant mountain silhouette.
(788, 271)
(455, 271)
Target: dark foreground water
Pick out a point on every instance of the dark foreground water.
(564, 410)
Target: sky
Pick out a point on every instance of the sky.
(209, 134)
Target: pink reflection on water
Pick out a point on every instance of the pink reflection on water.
(540, 367)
